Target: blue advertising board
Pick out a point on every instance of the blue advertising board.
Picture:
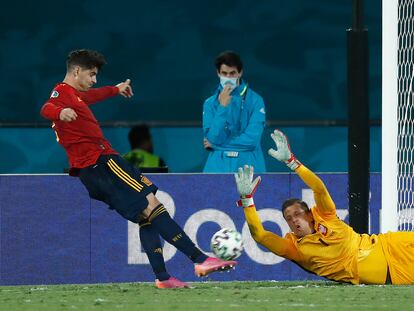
(52, 233)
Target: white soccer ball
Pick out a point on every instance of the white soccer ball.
(227, 244)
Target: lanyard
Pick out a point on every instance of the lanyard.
(243, 94)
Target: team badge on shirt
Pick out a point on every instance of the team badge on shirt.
(54, 94)
(322, 229)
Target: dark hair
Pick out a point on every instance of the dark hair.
(229, 58)
(138, 135)
(86, 59)
(290, 202)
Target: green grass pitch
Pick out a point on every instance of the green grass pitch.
(209, 296)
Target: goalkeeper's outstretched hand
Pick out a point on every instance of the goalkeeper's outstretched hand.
(246, 186)
(283, 152)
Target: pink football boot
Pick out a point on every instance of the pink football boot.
(171, 283)
(212, 264)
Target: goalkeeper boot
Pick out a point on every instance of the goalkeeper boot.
(212, 264)
(171, 283)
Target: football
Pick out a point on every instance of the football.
(227, 244)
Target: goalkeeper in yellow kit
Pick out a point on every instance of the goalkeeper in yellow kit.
(322, 243)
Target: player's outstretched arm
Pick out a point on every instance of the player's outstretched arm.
(94, 95)
(246, 187)
(284, 154)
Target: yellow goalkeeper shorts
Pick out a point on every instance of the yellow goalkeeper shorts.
(399, 252)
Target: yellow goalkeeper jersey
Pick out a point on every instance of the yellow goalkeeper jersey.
(334, 250)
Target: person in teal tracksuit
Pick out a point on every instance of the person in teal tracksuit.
(233, 120)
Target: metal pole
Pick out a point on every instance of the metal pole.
(358, 122)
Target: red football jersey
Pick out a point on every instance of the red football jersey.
(82, 138)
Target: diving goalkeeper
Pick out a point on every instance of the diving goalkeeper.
(319, 241)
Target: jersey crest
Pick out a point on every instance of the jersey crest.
(54, 94)
(322, 229)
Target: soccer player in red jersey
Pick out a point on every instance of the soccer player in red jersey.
(106, 175)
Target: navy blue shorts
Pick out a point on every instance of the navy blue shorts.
(119, 184)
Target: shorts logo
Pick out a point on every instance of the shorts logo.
(146, 181)
(322, 229)
(54, 94)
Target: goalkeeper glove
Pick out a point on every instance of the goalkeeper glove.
(283, 152)
(246, 186)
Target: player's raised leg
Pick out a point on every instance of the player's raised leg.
(173, 234)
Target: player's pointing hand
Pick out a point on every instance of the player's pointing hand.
(125, 88)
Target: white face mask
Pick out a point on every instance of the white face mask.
(232, 82)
